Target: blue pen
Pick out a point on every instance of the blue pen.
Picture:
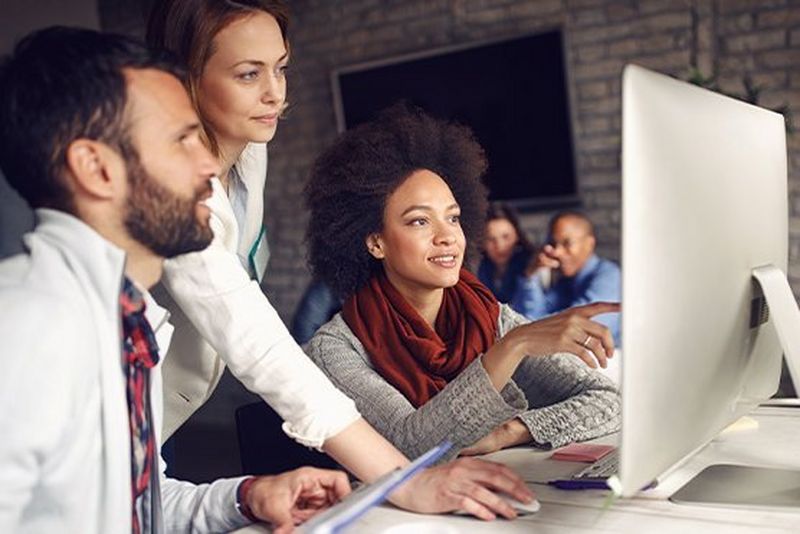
(588, 483)
(578, 484)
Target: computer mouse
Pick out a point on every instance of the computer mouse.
(520, 507)
(524, 508)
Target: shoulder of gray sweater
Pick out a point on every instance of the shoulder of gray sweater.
(335, 334)
(335, 341)
(508, 319)
(336, 330)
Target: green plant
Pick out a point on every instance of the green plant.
(751, 94)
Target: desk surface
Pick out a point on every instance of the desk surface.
(776, 443)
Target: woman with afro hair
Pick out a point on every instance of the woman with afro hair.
(423, 348)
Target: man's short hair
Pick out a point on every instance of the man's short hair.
(59, 85)
(575, 214)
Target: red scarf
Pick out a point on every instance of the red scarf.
(402, 346)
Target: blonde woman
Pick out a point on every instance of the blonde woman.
(236, 53)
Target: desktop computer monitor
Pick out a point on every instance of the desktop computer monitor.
(704, 202)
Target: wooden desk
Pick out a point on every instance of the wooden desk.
(776, 443)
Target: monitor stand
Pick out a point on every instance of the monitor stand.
(785, 315)
(739, 485)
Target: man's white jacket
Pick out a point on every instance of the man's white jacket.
(65, 448)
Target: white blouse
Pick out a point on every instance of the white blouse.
(221, 317)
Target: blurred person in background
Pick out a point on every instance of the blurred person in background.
(566, 272)
(506, 252)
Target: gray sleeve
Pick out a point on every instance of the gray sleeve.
(568, 401)
(467, 409)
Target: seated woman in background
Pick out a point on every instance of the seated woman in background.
(421, 345)
(506, 252)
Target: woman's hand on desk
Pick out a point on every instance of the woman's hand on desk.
(293, 497)
(465, 484)
(510, 433)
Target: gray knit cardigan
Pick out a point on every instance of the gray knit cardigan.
(558, 398)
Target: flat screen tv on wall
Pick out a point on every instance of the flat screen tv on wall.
(512, 93)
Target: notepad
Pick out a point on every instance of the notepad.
(582, 452)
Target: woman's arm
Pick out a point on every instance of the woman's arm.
(464, 411)
(568, 401)
(463, 484)
(233, 315)
(569, 331)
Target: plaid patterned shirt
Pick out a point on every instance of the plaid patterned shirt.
(140, 352)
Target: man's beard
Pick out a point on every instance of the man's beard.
(161, 220)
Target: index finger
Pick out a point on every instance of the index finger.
(496, 504)
(338, 482)
(596, 308)
(499, 477)
(334, 482)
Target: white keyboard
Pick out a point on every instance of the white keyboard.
(601, 469)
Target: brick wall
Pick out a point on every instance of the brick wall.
(729, 37)
(726, 37)
(765, 43)
(756, 36)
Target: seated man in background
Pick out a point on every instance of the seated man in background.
(100, 137)
(567, 273)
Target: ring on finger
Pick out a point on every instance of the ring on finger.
(586, 341)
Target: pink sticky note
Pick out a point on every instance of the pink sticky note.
(582, 452)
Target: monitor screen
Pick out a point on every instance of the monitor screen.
(704, 202)
(512, 93)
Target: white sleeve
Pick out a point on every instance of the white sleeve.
(187, 507)
(236, 319)
(40, 388)
(201, 508)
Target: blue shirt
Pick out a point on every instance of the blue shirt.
(505, 288)
(598, 280)
(318, 305)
